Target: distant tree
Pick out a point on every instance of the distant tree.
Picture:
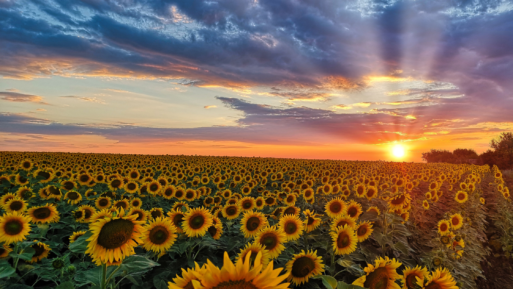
(462, 156)
(503, 150)
(438, 156)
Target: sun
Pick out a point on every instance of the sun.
(398, 151)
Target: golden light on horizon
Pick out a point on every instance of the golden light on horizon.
(398, 151)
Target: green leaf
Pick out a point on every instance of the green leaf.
(88, 277)
(5, 269)
(401, 247)
(26, 254)
(66, 285)
(328, 281)
(344, 285)
(132, 279)
(136, 263)
(345, 262)
(80, 245)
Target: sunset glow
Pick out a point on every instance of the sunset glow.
(398, 151)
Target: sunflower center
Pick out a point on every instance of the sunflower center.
(177, 220)
(302, 267)
(269, 201)
(42, 213)
(168, 192)
(115, 183)
(290, 228)
(352, 211)
(253, 223)
(212, 230)
(196, 222)
(269, 240)
(433, 285)
(121, 205)
(13, 227)
(378, 279)
(242, 284)
(310, 220)
(411, 281)
(153, 187)
(399, 200)
(335, 207)
(115, 233)
(362, 231)
(26, 194)
(54, 191)
(26, 165)
(342, 223)
(16, 205)
(231, 211)
(247, 205)
(45, 175)
(461, 196)
(343, 240)
(2, 251)
(40, 249)
(68, 185)
(139, 214)
(189, 195)
(178, 194)
(290, 211)
(99, 178)
(131, 186)
(155, 214)
(84, 178)
(159, 235)
(73, 195)
(78, 214)
(103, 202)
(443, 227)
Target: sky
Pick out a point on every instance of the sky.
(323, 79)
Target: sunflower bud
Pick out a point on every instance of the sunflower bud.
(57, 264)
(445, 240)
(437, 261)
(72, 269)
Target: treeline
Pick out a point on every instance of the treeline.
(500, 153)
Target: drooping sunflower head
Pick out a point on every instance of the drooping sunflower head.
(42, 251)
(76, 235)
(159, 235)
(303, 266)
(272, 239)
(43, 214)
(4, 251)
(456, 221)
(252, 223)
(292, 226)
(216, 230)
(335, 208)
(14, 227)
(344, 240)
(196, 222)
(382, 275)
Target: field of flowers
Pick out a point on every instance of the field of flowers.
(137, 221)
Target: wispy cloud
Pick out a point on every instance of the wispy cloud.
(21, 97)
(88, 99)
(209, 106)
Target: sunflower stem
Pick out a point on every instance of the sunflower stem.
(103, 277)
(112, 274)
(17, 258)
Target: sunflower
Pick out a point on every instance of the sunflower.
(4, 251)
(312, 221)
(185, 282)
(180, 193)
(425, 204)
(208, 201)
(363, 231)
(24, 193)
(103, 203)
(251, 223)
(216, 230)
(254, 249)
(131, 187)
(247, 203)
(482, 200)
(105, 213)
(240, 275)
(43, 214)
(440, 279)
(382, 275)
(374, 209)
(14, 227)
(456, 221)
(115, 184)
(114, 238)
(84, 179)
(73, 197)
(341, 221)
(360, 190)
(15, 205)
(461, 197)
(259, 203)
(292, 226)
(196, 222)
(142, 215)
(53, 192)
(270, 201)
(169, 192)
(76, 235)
(354, 209)
(89, 194)
(121, 204)
(371, 192)
(5, 198)
(413, 277)
(303, 266)
(78, 215)
(42, 251)
(177, 218)
(88, 212)
(190, 195)
(156, 213)
(443, 227)
(398, 202)
(181, 206)
(272, 239)
(26, 164)
(231, 211)
(308, 193)
(344, 240)
(335, 208)
(159, 235)
(21, 180)
(68, 185)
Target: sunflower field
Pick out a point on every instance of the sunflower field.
(137, 221)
